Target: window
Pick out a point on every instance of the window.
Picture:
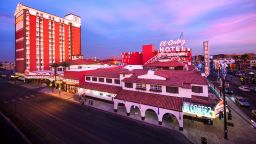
(109, 80)
(94, 79)
(79, 67)
(128, 85)
(101, 94)
(197, 89)
(156, 88)
(101, 79)
(172, 89)
(141, 86)
(88, 78)
(117, 81)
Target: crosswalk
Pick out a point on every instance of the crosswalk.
(21, 98)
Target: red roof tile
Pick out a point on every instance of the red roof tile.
(173, 78)
(112, 72)
(156, 100)
(102, 87)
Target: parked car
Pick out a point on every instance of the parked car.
(229, 91)
(254, 112)
(242, 101)
(253, 89)
(244, 88)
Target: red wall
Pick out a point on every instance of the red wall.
(66, 42)
(46, 44)
(132, 58)
(76, 43)
(20, 64)
(76, 75)
(147, 52)
(32, 38)
(57, 42)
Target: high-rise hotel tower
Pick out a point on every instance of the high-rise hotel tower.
(42, 39)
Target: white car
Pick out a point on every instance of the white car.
(244, 88)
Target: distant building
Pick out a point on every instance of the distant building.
(7, 65)
(42, 39)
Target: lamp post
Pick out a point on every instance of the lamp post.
(224, 72)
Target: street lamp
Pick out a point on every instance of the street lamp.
(223, 77)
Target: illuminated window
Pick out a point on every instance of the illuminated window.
(156, 88)
(140, 86)
(197, 89)
(128, 85)
(172, 89)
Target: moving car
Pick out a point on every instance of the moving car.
(253, 89)
(242, 101)
(254, 112)
(229, 91)
(244, 88)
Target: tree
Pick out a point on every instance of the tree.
(55, 65)
(245, 57)
(236, 57)
(65, 64)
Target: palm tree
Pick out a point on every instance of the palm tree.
(65, 64)
(55, 65)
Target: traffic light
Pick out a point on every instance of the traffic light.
(229, 116)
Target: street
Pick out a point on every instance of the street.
(65, 122)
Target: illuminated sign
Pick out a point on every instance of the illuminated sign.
(198, 110)
(206, 58)
(173, 46)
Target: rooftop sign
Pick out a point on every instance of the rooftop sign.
(173, 46)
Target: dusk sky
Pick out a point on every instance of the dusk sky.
(110, 27)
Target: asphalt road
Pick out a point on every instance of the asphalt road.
(66, 122)
(234, 84)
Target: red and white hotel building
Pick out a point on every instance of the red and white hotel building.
(42, 39)
(175, 92)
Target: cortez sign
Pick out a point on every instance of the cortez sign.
(198, 110)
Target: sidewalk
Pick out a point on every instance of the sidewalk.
(242, 132)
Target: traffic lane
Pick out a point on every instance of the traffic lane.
(238, 92)
(110, 128)
(95, 121)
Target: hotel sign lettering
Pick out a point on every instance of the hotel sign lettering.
(198, 110)
(173, 46)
